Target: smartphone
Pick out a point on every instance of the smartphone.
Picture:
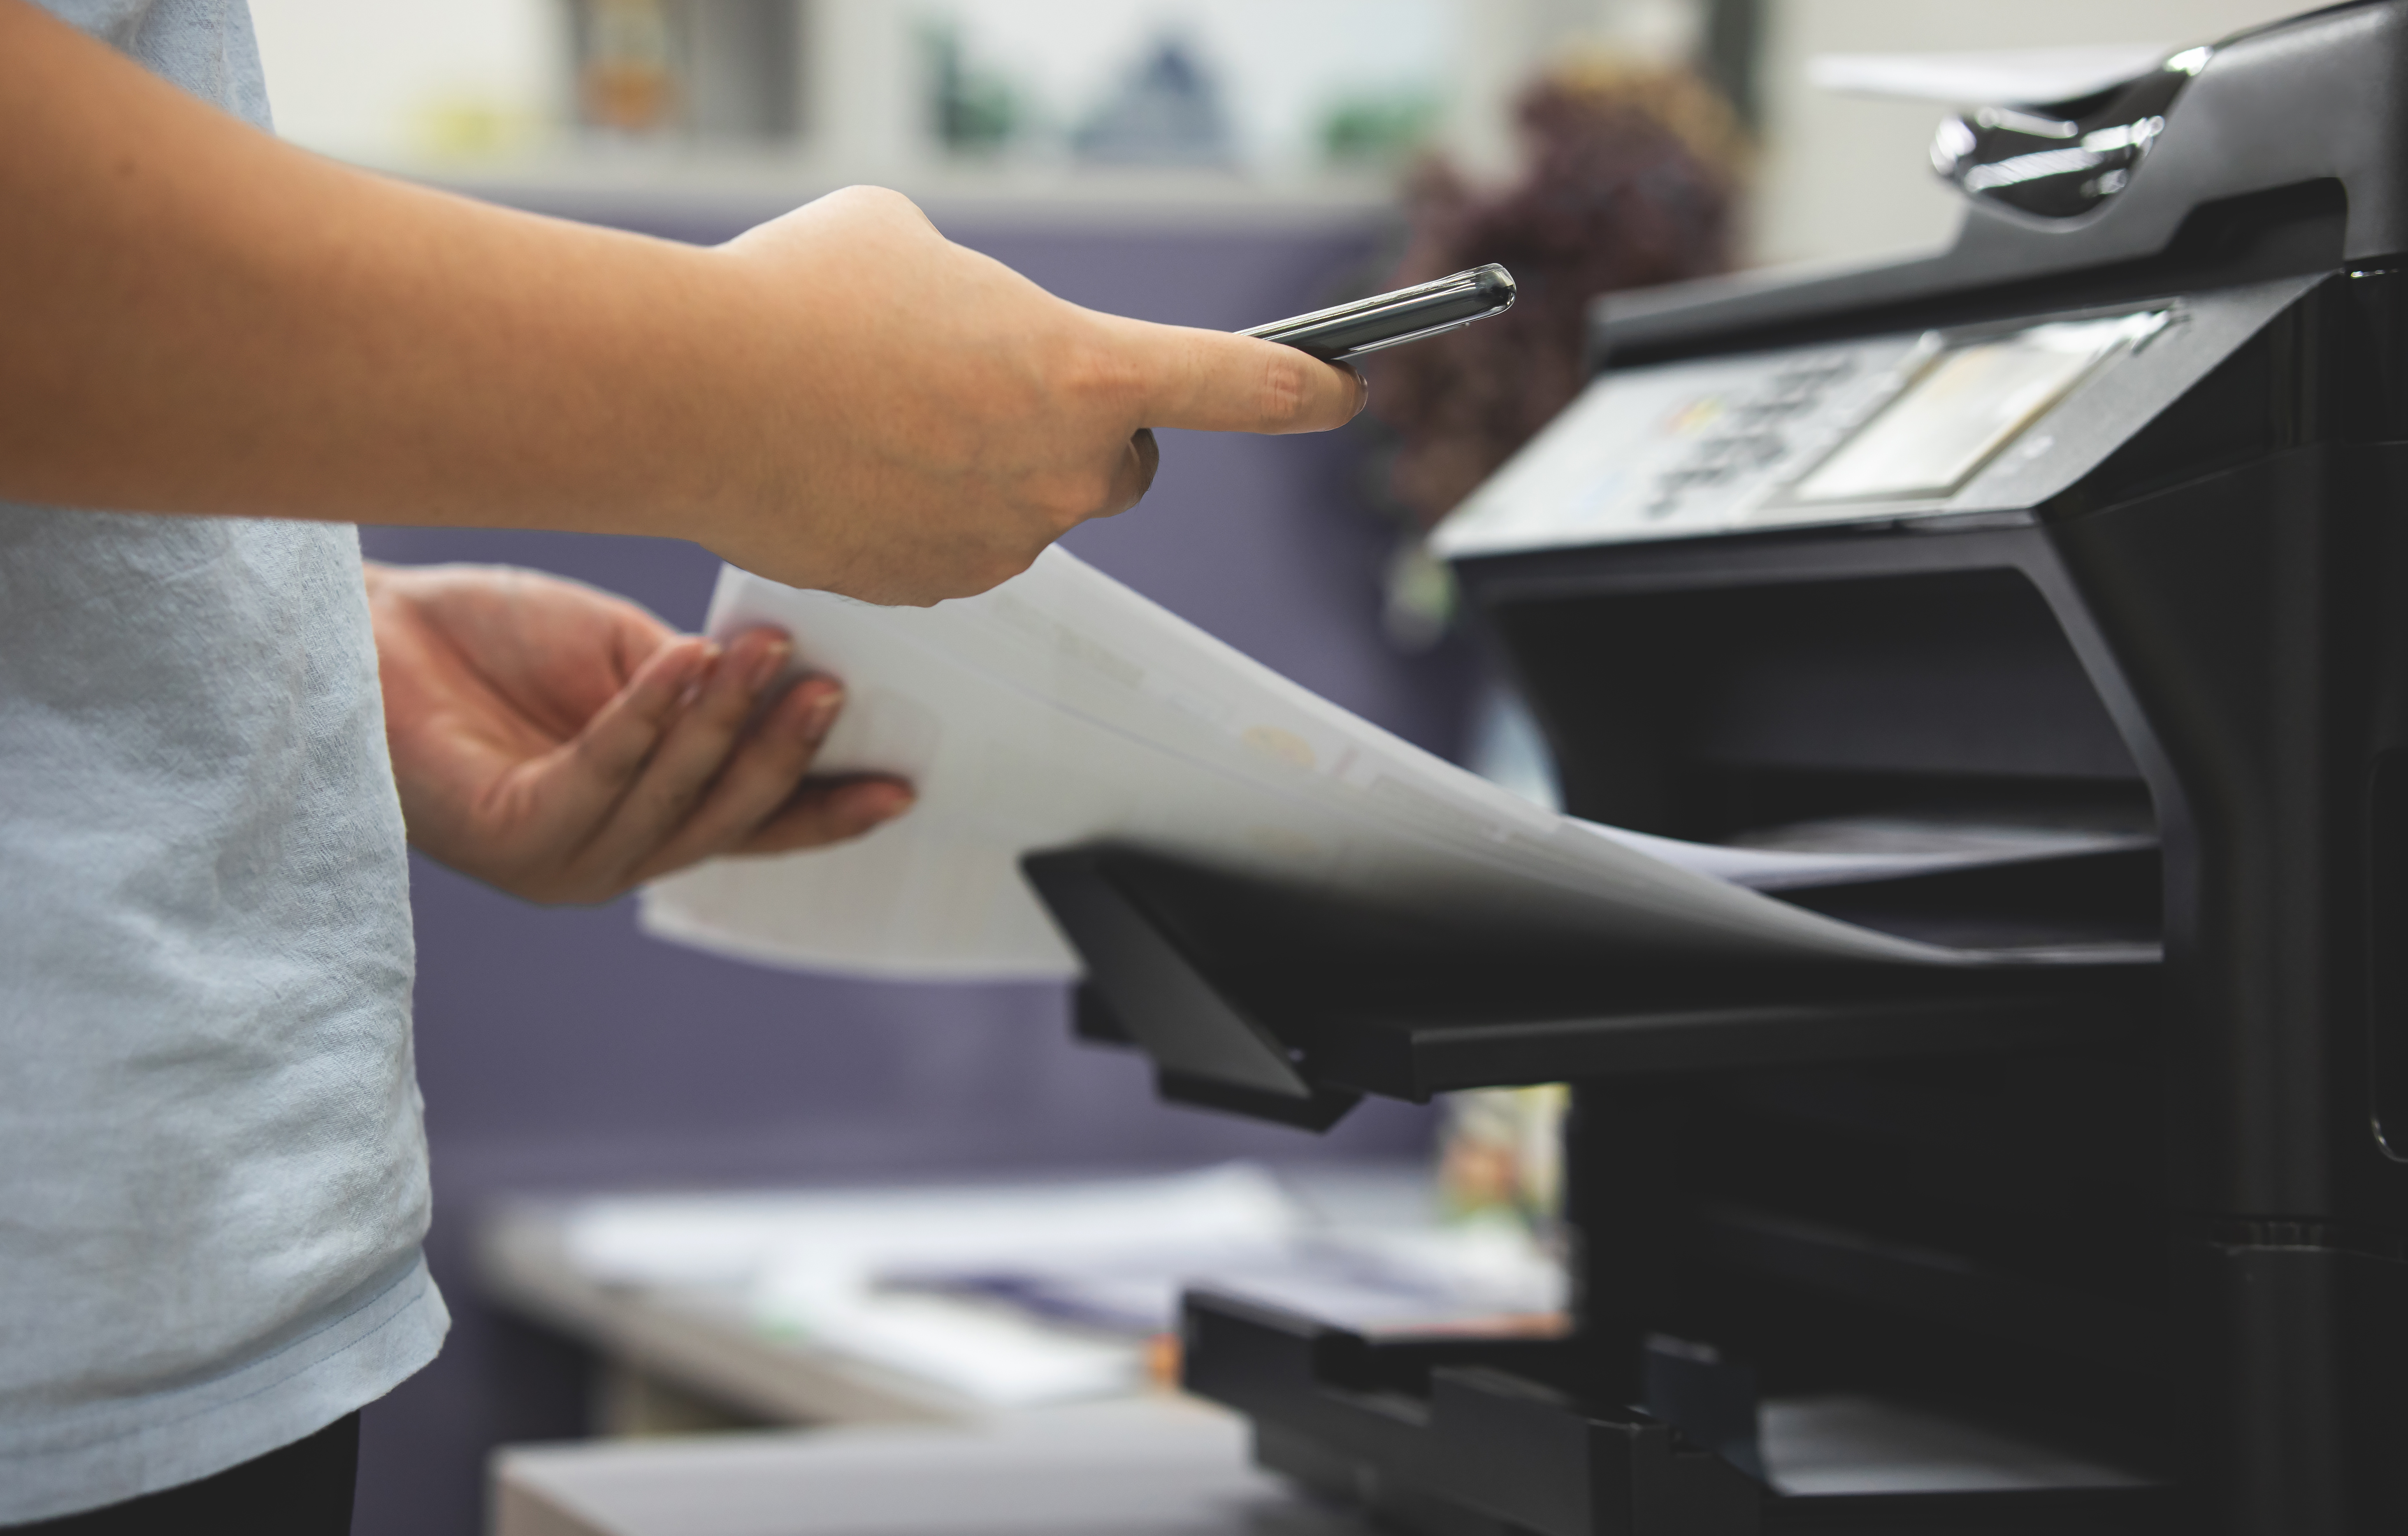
(1391, 320)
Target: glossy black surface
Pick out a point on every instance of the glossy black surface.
(2066, 158)
(1388, 320)
(2179, 1246)
(2304, 116)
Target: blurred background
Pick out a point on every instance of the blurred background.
(1216, 162)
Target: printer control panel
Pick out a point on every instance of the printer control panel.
(1750, 431)
(1678, 450)
(1998, 418)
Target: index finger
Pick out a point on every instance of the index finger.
(1214, 381)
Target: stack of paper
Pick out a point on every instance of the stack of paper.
(1062, 709)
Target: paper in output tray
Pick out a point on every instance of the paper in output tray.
(1061, 709)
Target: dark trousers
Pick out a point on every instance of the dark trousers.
(304, 1489)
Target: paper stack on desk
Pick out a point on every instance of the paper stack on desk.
(1062, 709)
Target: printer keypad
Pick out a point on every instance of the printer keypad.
(1751, 439)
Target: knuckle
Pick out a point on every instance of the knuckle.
(1004, 568)
(1087, 494)
(1052, 503)
(1095, 377)
(1001, 566)
(719, 711)
(611, 754)
(1286, 388)
(1091, 493)
(863, 195)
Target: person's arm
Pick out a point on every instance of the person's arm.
(198, 317)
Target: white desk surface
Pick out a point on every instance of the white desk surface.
(1158, 1466)
(1149, 1468)
(909, 1460)
(705, 1344)
(699, 1342)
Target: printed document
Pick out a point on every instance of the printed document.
(1062, 709)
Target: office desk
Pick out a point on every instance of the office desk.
(674, 1360)
(1165, 1468)
(682, 1358)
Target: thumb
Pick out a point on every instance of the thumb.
(1213, 381)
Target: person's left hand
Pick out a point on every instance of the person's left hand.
(565, 745)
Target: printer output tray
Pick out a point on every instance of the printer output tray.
(1281, 1004)
(1491, 1437)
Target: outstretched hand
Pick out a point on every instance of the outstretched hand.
(565, 746)
(931, 420)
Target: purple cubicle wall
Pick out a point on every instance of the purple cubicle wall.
(563, 1050)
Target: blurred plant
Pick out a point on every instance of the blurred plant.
(469, 124)
(1376, 130)
(1630, 179)
(976, 112)
(1500, 1155)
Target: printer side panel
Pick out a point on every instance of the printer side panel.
(2198, 1251)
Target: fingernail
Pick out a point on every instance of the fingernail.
(819, 711)
(1362, 389)
(767, 665)
(699, 667)
(867, 805)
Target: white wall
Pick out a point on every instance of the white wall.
(377, 80)
(403, 84)
(1502, 43)
(1846, 178)
(1841, 177)
(400, 83)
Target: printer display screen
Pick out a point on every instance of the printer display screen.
(1970, 401)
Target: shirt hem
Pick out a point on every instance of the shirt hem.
(169, 1439)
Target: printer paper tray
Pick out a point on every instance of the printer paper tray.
(1255, 1002)
(1472, 1437)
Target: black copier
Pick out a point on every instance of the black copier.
(2098, 519)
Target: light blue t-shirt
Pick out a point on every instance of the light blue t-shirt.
(212, 1171)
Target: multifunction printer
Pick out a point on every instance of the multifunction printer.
(2096, 522)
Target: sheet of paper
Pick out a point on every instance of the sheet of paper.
(1911, 850)
(2004, 77)
(1062, 709)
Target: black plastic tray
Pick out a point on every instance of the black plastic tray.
(1256, 1002)
(1474, 1438)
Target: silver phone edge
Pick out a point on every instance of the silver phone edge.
(1451, 282)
